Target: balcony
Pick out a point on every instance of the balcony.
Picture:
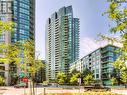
(106, 66)
(105, 76)
(104, 51)
(105, 71)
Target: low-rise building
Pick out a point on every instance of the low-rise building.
(99, 62)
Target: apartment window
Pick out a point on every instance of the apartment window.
(97, 75)
(111, 59)
(97, 70)
(93, 71)
(6, 6)
(110, 53)
(89, 63)
(2, 68)
(2, 74)
(1, 63)
(2, 38)
(9, 8)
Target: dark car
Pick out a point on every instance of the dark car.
(21, 85)
(96, 87)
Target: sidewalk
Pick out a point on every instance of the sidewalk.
(38, 91)
(22, 91)
(124, 92)
(14, 92)
(3, 90)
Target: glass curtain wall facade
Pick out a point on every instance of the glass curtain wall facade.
(109, 55)
(22, 13)
(62, 42)
(24, 17)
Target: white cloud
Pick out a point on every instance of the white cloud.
(88, 45)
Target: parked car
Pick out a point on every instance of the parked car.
(21, 85)
(96, 87)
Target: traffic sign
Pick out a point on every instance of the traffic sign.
(21, 75)
(25, 79)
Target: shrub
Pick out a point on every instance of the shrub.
(2, 81)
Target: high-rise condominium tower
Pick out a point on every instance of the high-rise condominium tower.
(62, 42)
(22, 12)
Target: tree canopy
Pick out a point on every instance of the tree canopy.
(61, 78)
(117, 13)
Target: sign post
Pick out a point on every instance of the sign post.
(79, 81)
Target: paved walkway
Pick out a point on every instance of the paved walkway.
(124, 92)
(22, 91)
(13, 91)
(3, 90)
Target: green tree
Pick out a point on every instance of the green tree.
(87, 74)
(45, 82)
(22, 54)
(12, 54)
(6, 26)
(114, 81)
(74, 77)
(88, 79)
(116, 74)
(30, 65)
(61, 78)
(74, 71)
(2, 81)
(86, 71)
(117, 13)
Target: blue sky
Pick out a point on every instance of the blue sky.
(91, 21)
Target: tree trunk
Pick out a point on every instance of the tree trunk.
(125, 84)
(32, 78)
(33, 88)
(30, 85)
